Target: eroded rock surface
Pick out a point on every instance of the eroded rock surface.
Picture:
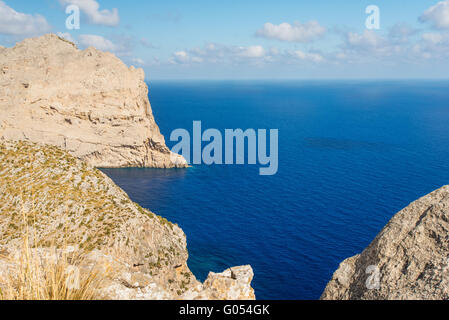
(409, 258)
(60, 201)
(87, 102)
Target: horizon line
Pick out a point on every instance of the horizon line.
(297, 79)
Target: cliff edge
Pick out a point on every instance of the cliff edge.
(409, 258)
(87, 102)
(52, 202)
(63, 112)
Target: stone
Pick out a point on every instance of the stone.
(232, 284)
(409, 258)
(63, 113)
(87, 102)
(58, 203)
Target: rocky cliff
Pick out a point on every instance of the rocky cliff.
(409, 258)
(60, 202)
(87, 102)
(63, 112)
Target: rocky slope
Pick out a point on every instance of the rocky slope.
(62, 202)
(87, 102)
(409, 258)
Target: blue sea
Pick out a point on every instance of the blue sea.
(351, 154)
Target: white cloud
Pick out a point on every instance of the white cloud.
(432, 45)
(371, 47)
(256, 55)
(401, 32)
(251, 51)
(274, 51)
(138, 61)
(216, 53)
(182, 57)
(433, 38)
(370, 44)
(99, 42)
(397, 47)
(96, 16)
(20, 24)
(314, 57)
(294, 33)
(437, 15)
(367, 40)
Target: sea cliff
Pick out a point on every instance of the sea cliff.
(87, 102)
(409, 258)
(52, 202)
(64, 112)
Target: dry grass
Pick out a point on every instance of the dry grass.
(49, 274)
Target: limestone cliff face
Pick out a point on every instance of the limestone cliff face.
(62, 202)
(87, 102)
(64, 112)
(411, 255)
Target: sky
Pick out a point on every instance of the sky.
(248, 39)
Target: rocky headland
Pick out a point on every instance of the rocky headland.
(63, 112)
(408, 259)
(87, 102)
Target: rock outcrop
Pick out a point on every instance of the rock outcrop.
(64, 111)
(87, 102)
(409, 258)
(61, 202)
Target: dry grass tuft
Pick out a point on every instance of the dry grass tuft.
(49, 274)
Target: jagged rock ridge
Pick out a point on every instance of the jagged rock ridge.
(87, 102)
(409, 258)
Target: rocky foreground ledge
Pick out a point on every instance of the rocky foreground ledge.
(60, 204)
(409, 258)
(87, 102)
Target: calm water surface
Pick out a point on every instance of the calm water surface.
(351, 154)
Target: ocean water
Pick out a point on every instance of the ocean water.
(351, 154)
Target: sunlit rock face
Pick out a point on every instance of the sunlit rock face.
(52, 202)
(409, 258)
(87, 102)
